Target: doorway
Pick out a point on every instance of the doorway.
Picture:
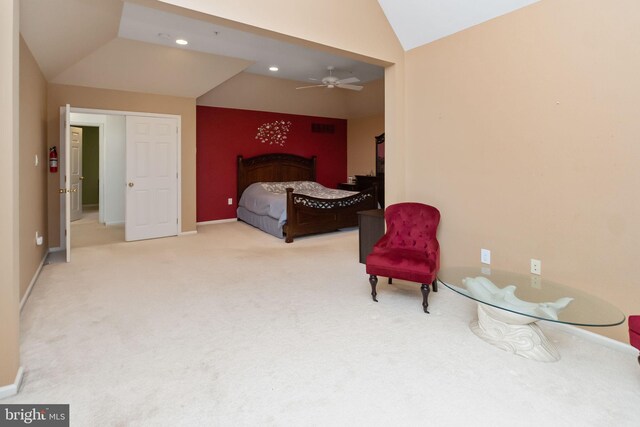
(125, 157)
(89, 227)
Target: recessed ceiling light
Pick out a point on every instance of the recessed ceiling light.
(182, 42)
(273, 68)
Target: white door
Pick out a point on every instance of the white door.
(152, 178)
(76, 173)
(65, 179)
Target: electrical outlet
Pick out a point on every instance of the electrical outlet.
(485, 256)
(536, 266)
(230, 201)
(536, 282)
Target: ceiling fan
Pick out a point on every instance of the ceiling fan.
(331, 81)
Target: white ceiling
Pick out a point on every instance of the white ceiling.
(418, 22)
(294, 62)
(113, 44)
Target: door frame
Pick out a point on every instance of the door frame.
(72, 109)
(101, 171)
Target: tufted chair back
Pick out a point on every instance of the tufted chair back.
(411, 226)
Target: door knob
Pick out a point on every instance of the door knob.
(131, 184)
(81, 178)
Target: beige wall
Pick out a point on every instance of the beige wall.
(368, 102)
(83, 97)
(33, 179)
(361, 144)
(524, 131)
(261, 93)
(9, 224)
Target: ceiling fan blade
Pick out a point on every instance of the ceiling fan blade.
(352, 87)
(349, 80)
(309, 87)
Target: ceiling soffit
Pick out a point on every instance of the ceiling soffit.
(142, 67)
(61, 32)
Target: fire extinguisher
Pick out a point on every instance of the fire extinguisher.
(53, 160)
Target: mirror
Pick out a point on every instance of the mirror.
(380, 154)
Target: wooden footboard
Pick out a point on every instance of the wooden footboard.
(309, 215)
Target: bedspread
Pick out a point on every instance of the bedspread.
(269, 198)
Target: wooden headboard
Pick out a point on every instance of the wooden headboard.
(276, 167)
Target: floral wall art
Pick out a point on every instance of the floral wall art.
(224, 133)
(274, 132)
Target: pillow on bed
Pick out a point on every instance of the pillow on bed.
(298, 186)
(308, 188)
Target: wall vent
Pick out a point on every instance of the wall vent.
(322, 128)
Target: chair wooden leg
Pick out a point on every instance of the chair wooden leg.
(373, 279)
(390, 281)
(434, 285)
(425, 297)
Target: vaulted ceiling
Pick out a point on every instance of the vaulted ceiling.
(120, 45)
(418, 22)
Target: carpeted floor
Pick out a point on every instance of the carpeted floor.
(232, 327)
(87, 231)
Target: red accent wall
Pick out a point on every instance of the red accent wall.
(224, 133)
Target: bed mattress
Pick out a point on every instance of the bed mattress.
(264, 204)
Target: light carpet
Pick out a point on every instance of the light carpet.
(232, 327)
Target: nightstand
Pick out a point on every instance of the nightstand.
(370, 230)
(347, 186)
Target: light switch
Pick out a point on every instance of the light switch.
(485, 256)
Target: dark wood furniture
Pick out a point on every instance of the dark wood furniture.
(380, 155)
(348, 186)
(368, 181)
(305, 214)
(370, 230)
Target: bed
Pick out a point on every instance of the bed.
(303, 214)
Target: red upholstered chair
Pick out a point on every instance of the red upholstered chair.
(634, 332)
(409, 249)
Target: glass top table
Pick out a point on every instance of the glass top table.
(510, 304)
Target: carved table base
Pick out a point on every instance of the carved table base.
(513, 333)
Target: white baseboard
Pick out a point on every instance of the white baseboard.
(217, 221)
(33, 282)
(13, 389)
(56, 249)
(108, 224)
(593, 337)
(187, 233)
